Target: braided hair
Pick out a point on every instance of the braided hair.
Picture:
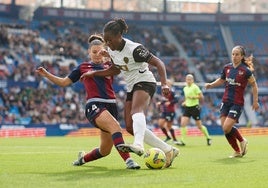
(116, 26)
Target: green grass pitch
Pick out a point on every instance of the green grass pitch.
(46, 162)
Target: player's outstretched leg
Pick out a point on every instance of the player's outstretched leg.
(130, 148)
(131, 164)
(80, 159)
(170, 156)
(244, 147)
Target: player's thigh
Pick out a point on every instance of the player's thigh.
(222, 118)
(106, 143)
(184, 121)
(140, 101)
(107, 122)
(169, 117)
(169, 124)
(161, 122)
(128, 117)
(228, 124)
(198, 123)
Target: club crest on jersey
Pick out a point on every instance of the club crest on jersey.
(126, 60)
(240, 73)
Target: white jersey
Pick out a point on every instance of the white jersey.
(132, 61)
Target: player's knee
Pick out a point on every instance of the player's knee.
(226, 129)
(113, 128)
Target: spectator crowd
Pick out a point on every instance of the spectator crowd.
(60, 45)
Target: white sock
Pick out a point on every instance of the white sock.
(139, 126)
(151, 139)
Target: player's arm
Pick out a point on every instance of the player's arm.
(183, 103)
(200, 96)
(216, 83)
(111, 71)
(253, 83)
(142, 54)
(175, 98)
(161, 69)
(63, 82)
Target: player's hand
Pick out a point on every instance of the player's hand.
(255, 106)
(167, 103)
(208, 85)
(87, 74)
(42, 71)
(103, 53)
(165, 90)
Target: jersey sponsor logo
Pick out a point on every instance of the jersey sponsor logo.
(231, 81)
(143, 52)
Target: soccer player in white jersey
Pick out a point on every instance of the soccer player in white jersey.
(132, 59)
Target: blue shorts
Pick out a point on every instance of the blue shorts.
(168, 116)
(94, 109)
(231, 110)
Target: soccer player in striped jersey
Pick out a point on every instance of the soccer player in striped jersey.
(132, 60)
(235, 75)
(167, 108)
(100, 109)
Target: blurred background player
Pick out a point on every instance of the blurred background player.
(191, 108)
(167, 108)
(236, 75)
(100, 109)
(132, 60)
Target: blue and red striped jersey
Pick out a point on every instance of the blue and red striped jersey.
(172, 98)
(96, 87)
(236, 80)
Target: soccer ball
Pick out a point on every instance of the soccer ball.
(154, 158)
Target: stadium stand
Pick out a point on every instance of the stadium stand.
(59, 45)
